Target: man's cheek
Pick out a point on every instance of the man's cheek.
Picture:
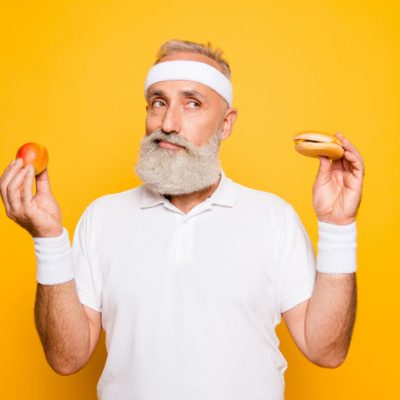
(151, 124)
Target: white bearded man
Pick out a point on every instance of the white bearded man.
(190, 273)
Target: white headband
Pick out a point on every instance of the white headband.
(190, 71)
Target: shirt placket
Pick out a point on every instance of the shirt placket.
(183, 244)
(183, 254)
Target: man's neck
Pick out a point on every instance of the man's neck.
(186, 202)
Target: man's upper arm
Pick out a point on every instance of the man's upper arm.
(94, 318)
(295, 321)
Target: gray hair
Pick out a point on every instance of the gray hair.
(178, 46)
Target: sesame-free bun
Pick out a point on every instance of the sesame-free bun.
(314, 144)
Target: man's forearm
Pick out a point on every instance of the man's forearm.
(330, 318)
(62, 326)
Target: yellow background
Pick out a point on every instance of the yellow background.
(71, 77)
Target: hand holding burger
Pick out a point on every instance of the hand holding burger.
(338, 185)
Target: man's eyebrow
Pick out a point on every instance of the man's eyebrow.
(187, 93)
(155, 93)
(190, 93)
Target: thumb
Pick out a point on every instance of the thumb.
(324, 165)
(43, 182)
(324, 170)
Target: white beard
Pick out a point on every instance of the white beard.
(178, 172)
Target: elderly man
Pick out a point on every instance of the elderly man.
(190, 273)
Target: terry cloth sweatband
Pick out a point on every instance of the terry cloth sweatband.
(337, 248)
(54, 259)
(190, 71)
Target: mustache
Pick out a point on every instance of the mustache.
(173, 138)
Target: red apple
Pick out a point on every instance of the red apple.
(36, 154)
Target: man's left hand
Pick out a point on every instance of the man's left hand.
(338, 185)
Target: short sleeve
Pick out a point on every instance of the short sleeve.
(297, 271)
(87, 281)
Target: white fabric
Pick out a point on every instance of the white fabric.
(190, 71)
(337, 248)
(54, 259)
(190, 302)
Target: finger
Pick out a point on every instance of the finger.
(43, 182)
(14, 190)
(337, 165)
(353, 159)
(6, 170)
(4, 196)
(12, 171)
(347, 145)
(340, 136)
(324, 169)
(6, 178)
(350, 147)
(356, 165)
(346, 164)
(324, 164)
(27, 187)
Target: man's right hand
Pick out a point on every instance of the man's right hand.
(39, 214)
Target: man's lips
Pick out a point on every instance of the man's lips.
(167, 145)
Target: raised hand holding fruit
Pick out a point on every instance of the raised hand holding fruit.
(38, 213)
(35, 154)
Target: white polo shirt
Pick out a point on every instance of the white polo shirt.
(190, 302)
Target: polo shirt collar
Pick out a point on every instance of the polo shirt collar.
(224, 195)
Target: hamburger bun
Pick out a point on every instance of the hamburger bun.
(314, 144)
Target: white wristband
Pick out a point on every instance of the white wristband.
(337, 248)
(54, 259)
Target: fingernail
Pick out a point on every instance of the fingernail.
(12, 163)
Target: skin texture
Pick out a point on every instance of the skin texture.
(68, 333)
(321, 326)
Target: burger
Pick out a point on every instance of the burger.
(314, 144)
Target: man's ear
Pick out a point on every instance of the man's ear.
(229, 119)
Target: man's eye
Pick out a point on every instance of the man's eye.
(195, 104)
(154, 103)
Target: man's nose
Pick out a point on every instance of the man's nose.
(172, 118)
